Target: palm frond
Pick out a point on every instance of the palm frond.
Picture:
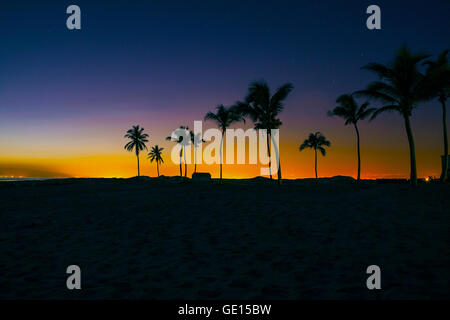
(156, 154)
(138, 139)
(258, 93)
(305, 145)
(376, 95)
(280, 95)
(224, 116)
(322, 150)
(381, 70)
(388, 108)
(315, 141)
(364, 111)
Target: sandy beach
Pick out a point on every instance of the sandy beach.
(245, 239)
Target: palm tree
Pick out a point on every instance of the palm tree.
(138, 140)
(156, 155)
(349, 110)
(195, 141)
(401, 88)
(224, 117)
(263, 109)
(179, 134)
(315, 141)
(438, 73)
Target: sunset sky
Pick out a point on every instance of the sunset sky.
(68, 97)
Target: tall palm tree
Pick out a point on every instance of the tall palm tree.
(315, 141)
(224, 117)
(138, 139)
(195, 141)
(156, 155)
(349, 110)
(401, 88)
(180, 135)
(263, 109)
(438, 73)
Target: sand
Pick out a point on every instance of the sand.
(245, 239)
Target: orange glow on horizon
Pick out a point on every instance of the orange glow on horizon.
(294, 164)
(98, 151)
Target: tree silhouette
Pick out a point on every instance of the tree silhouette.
(401, 88)
(181, 136)
(156, 155)
(224, 117)
(263, 109)
(438, 73)
(195, 141)
(315, 141)
(138, 139)
(349, 110)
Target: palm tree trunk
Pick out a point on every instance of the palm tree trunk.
(277, 158)
(315, 161)
(280, 179)
(412, 151)
(221, 146)
(181, 168)
(444, 120)
(195, 159)
(137, 156)
(185, 163)
(268, 153)
(157, 167)
(359, 153)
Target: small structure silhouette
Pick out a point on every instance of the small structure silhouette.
(201, 176)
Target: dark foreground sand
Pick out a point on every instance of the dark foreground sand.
(245, 239)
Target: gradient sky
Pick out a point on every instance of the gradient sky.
(67, 97)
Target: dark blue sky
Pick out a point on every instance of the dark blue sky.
(130, 50)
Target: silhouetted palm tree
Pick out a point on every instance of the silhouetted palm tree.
(263, 109)
(438, 73)
(224, 117)
(185, 141)
(138, 140)
(401, 88)
(179, 135)
(349, 110)
(315, 141)
(195, 141)
(156, 155)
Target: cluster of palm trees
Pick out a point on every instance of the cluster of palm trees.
(259, 105)
(263, 109)
(137, 142)
(186, 137)
(401, 87)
